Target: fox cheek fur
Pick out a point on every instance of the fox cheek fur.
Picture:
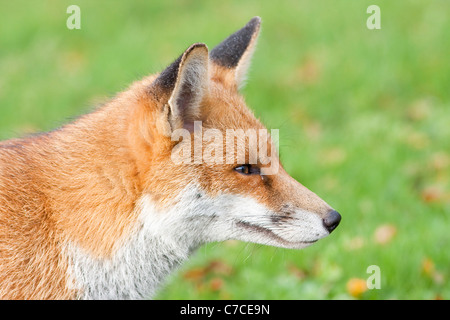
(97, 209)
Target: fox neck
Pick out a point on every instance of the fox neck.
(158, 245)
(134, 272)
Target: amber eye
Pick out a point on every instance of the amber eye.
(247, 169)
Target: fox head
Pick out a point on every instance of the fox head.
(233, 198)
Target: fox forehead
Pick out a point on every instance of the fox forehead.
(225, 108)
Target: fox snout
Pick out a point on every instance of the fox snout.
(301, 215)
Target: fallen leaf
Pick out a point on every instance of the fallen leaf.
(313, 130)
(419, 110)
(432, 194)
(195, 274)
(309, 71)
(440, 161)
(296, 271)
(354, 243)
(201, 274)
(418, 140)
(356, 287)
(429, 269)
(223, 295)
(216, 284)
(427, 266)
(219, 267)
(333, 156)
(438, 278)
(385, 233)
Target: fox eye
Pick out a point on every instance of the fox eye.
(247, 169)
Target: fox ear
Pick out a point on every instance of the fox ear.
(235, 52)
(186, 81)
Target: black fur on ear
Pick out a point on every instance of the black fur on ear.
(167, 78)
(230, 51)
(182, 86)
(235, 52)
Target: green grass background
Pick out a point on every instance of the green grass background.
(364, 119)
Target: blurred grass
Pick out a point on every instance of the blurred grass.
(364, 119)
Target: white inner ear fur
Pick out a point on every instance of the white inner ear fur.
(190, 88)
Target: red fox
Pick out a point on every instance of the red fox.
(97, 209)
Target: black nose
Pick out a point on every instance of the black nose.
(331, 220)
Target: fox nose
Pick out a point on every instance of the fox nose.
(331, 221)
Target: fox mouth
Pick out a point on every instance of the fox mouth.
(269, 233)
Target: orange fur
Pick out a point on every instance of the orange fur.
(81, 183)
